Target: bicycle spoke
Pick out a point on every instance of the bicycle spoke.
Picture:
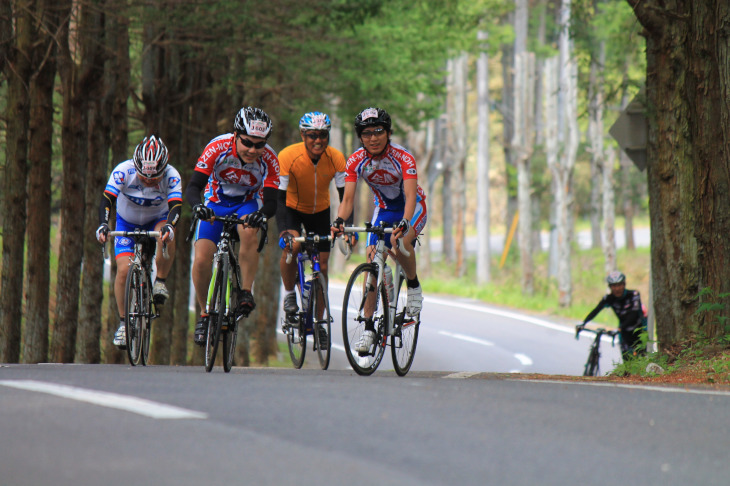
(404, 340)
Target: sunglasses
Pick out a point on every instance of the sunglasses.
(372, 133)
(317, 135)
(248, 143)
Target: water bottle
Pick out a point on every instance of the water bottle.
(305, 294)
(388, 275)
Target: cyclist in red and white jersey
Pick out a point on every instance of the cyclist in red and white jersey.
(147, 194)
(237, 173)
(390, 171)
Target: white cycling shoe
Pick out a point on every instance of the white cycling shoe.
(120, 337)
(366, 340)
(415, 301)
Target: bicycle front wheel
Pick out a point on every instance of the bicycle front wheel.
(322, 329)
(215, 317)
(405, 335)
(147, 326)
(591, 368)
(364, 309)
(133, 314)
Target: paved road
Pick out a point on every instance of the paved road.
(275, 427)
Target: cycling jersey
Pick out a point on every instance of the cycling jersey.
(627, 308)
(385, 175)
(307, 184)
(140, 204)
(229, 180)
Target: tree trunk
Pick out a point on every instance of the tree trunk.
(483, 204)
(18, 70)
(35, 341)
(456, 147)
(609, 212)
(595, 136)
(76, 81)
(99, 97)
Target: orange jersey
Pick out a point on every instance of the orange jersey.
(307, 185)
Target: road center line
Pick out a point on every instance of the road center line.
(127, 403)
(464, 337)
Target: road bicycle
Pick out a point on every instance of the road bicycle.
(223, 291)
(314, 318)
(373, 302)
(139, 306)
(591, 366)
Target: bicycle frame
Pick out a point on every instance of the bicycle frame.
(594, 354)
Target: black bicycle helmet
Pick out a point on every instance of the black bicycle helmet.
(371, 117)
(615, 277)
(253, 122)
(150, 157)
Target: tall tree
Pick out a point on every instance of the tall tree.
(483, 204)
(35, 340)
(688, 155)
(18, 69)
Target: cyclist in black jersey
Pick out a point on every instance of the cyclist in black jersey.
(627, 306)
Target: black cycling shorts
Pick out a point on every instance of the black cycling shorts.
(318, 223)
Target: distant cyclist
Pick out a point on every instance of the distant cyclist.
(627, 306)
(307, 168)
(390, 171)
(240, 174)
(146, 190)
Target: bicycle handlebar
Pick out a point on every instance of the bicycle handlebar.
(233, 219)
(138, 233)
(378, 230)
(303, 239)
(598, 332)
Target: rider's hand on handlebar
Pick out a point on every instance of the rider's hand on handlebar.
(578, 328)
(285, 240)
(167, 233)
(402, 228)
(202, 212)
(338, 226)
(255, 219)
(102, 232)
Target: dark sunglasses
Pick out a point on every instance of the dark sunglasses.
(372, 133)
(248, 143)
(317, 135)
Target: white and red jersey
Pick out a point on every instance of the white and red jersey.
(140, 204)
(385, 174)
(231, 181)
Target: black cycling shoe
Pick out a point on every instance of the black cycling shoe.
(201, 328)
(246, 304)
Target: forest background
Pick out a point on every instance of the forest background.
(506, 105)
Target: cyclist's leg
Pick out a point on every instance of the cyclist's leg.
(319, 223)
(289, 270)
(248, 257)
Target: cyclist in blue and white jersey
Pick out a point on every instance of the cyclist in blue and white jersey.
(147, 192)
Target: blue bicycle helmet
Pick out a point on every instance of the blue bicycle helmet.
(315, 120)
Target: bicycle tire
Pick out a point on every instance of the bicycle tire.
(296, 336)
(353, 320)
(215, 318)
(591, 368)
(229, 335)
(133, 314)
(147, 325)
(405, 337)
(325, 323)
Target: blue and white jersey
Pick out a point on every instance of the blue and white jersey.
(140, 204)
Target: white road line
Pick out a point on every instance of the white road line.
(127, 403)
(524, 359)
(637, 387)
(462, 374)
(464, 337)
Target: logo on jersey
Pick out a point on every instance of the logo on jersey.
(241, 177)
(382, 178)
(411, 172)
(201, 165)
(173, 182)
(118, 177)
(124, 241)
(141, 201)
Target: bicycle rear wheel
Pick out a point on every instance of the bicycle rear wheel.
(322, 327)
(147, 326)
(133, 314)
(215, 318)
(364, 308)
(405, 337)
